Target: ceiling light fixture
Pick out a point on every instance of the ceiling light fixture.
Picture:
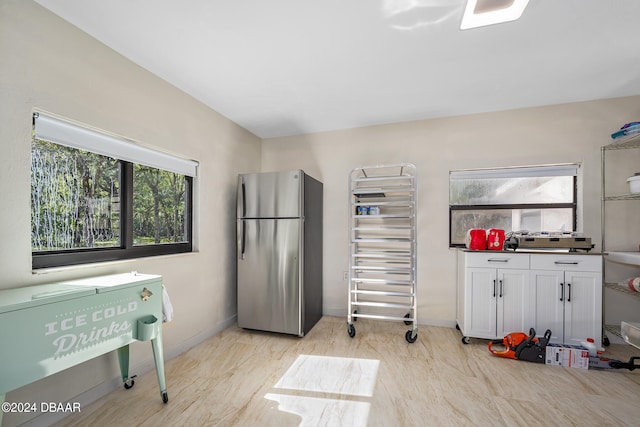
(479, 13)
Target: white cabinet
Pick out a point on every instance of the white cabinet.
(505, 292)
(492, 294)
(566, 297)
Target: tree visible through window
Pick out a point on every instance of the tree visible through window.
(158, 206)
(75, 198)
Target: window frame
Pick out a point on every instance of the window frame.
(127, 250)
(506, 206)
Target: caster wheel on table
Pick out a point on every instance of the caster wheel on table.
(457, 326)
(129, 383)
(165, 397)
(352, 331)
(410, 337)
(406, 316)
(466, 340)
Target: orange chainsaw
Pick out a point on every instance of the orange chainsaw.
(520, 346)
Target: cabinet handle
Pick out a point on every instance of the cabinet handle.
(494, 288)
(498, 260)
(569, 297)
(500, 288)
(561, 291)
(566, 262)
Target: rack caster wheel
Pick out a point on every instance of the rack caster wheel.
(352, 331)
(457, 326)
(165, 397)
(410, 336)
(406, 316)
(466, 340)
(605, 341)
(129, 383)
(355, 318)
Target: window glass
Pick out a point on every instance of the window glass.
(552, 189)
(75, 198)
(559, 219)
(534, 199)
(159, 203)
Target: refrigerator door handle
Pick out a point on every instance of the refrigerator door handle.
(243, 241)
(244, 200)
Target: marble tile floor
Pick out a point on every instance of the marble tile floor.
(247, 378)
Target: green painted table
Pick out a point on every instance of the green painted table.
(45, 329)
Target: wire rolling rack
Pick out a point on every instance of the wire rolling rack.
(383, 245)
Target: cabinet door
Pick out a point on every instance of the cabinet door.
(481, 291)
(582, 307)
(512, 302)
(546, 303)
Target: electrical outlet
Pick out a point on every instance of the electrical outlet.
(345, 275)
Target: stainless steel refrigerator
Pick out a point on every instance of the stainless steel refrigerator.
(279, 246)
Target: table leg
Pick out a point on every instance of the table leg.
(123, 360)
(156, 344)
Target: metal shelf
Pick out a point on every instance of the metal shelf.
(402, 270)
(617, 257)
(364, 280)
(622, 197)
(382, 305)
(624, 143)
(383, 317)
(383, 240)
(396, 203)
(395, 255)
(383, 216)
(383, 293)
(616, 287)
(382, 247)
(384, 228)
(381, 191)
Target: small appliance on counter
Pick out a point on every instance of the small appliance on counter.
(495, 239)
(547, 240)
(476, 239)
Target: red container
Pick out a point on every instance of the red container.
(476, 239)
(495, 239)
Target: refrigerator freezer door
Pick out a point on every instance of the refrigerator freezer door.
(270, 195)
(269, 275)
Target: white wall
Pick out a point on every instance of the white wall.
(555, 134)
(50, 65)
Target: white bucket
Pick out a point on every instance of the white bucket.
(634, 184)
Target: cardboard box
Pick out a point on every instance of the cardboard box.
(572, 356)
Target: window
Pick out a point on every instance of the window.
(75, 197)
(535, 199)
(98, 198)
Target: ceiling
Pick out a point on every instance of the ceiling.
(286, 67)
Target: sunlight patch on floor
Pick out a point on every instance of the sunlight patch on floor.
(316, 411)
(339, 375)
(325, 374)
